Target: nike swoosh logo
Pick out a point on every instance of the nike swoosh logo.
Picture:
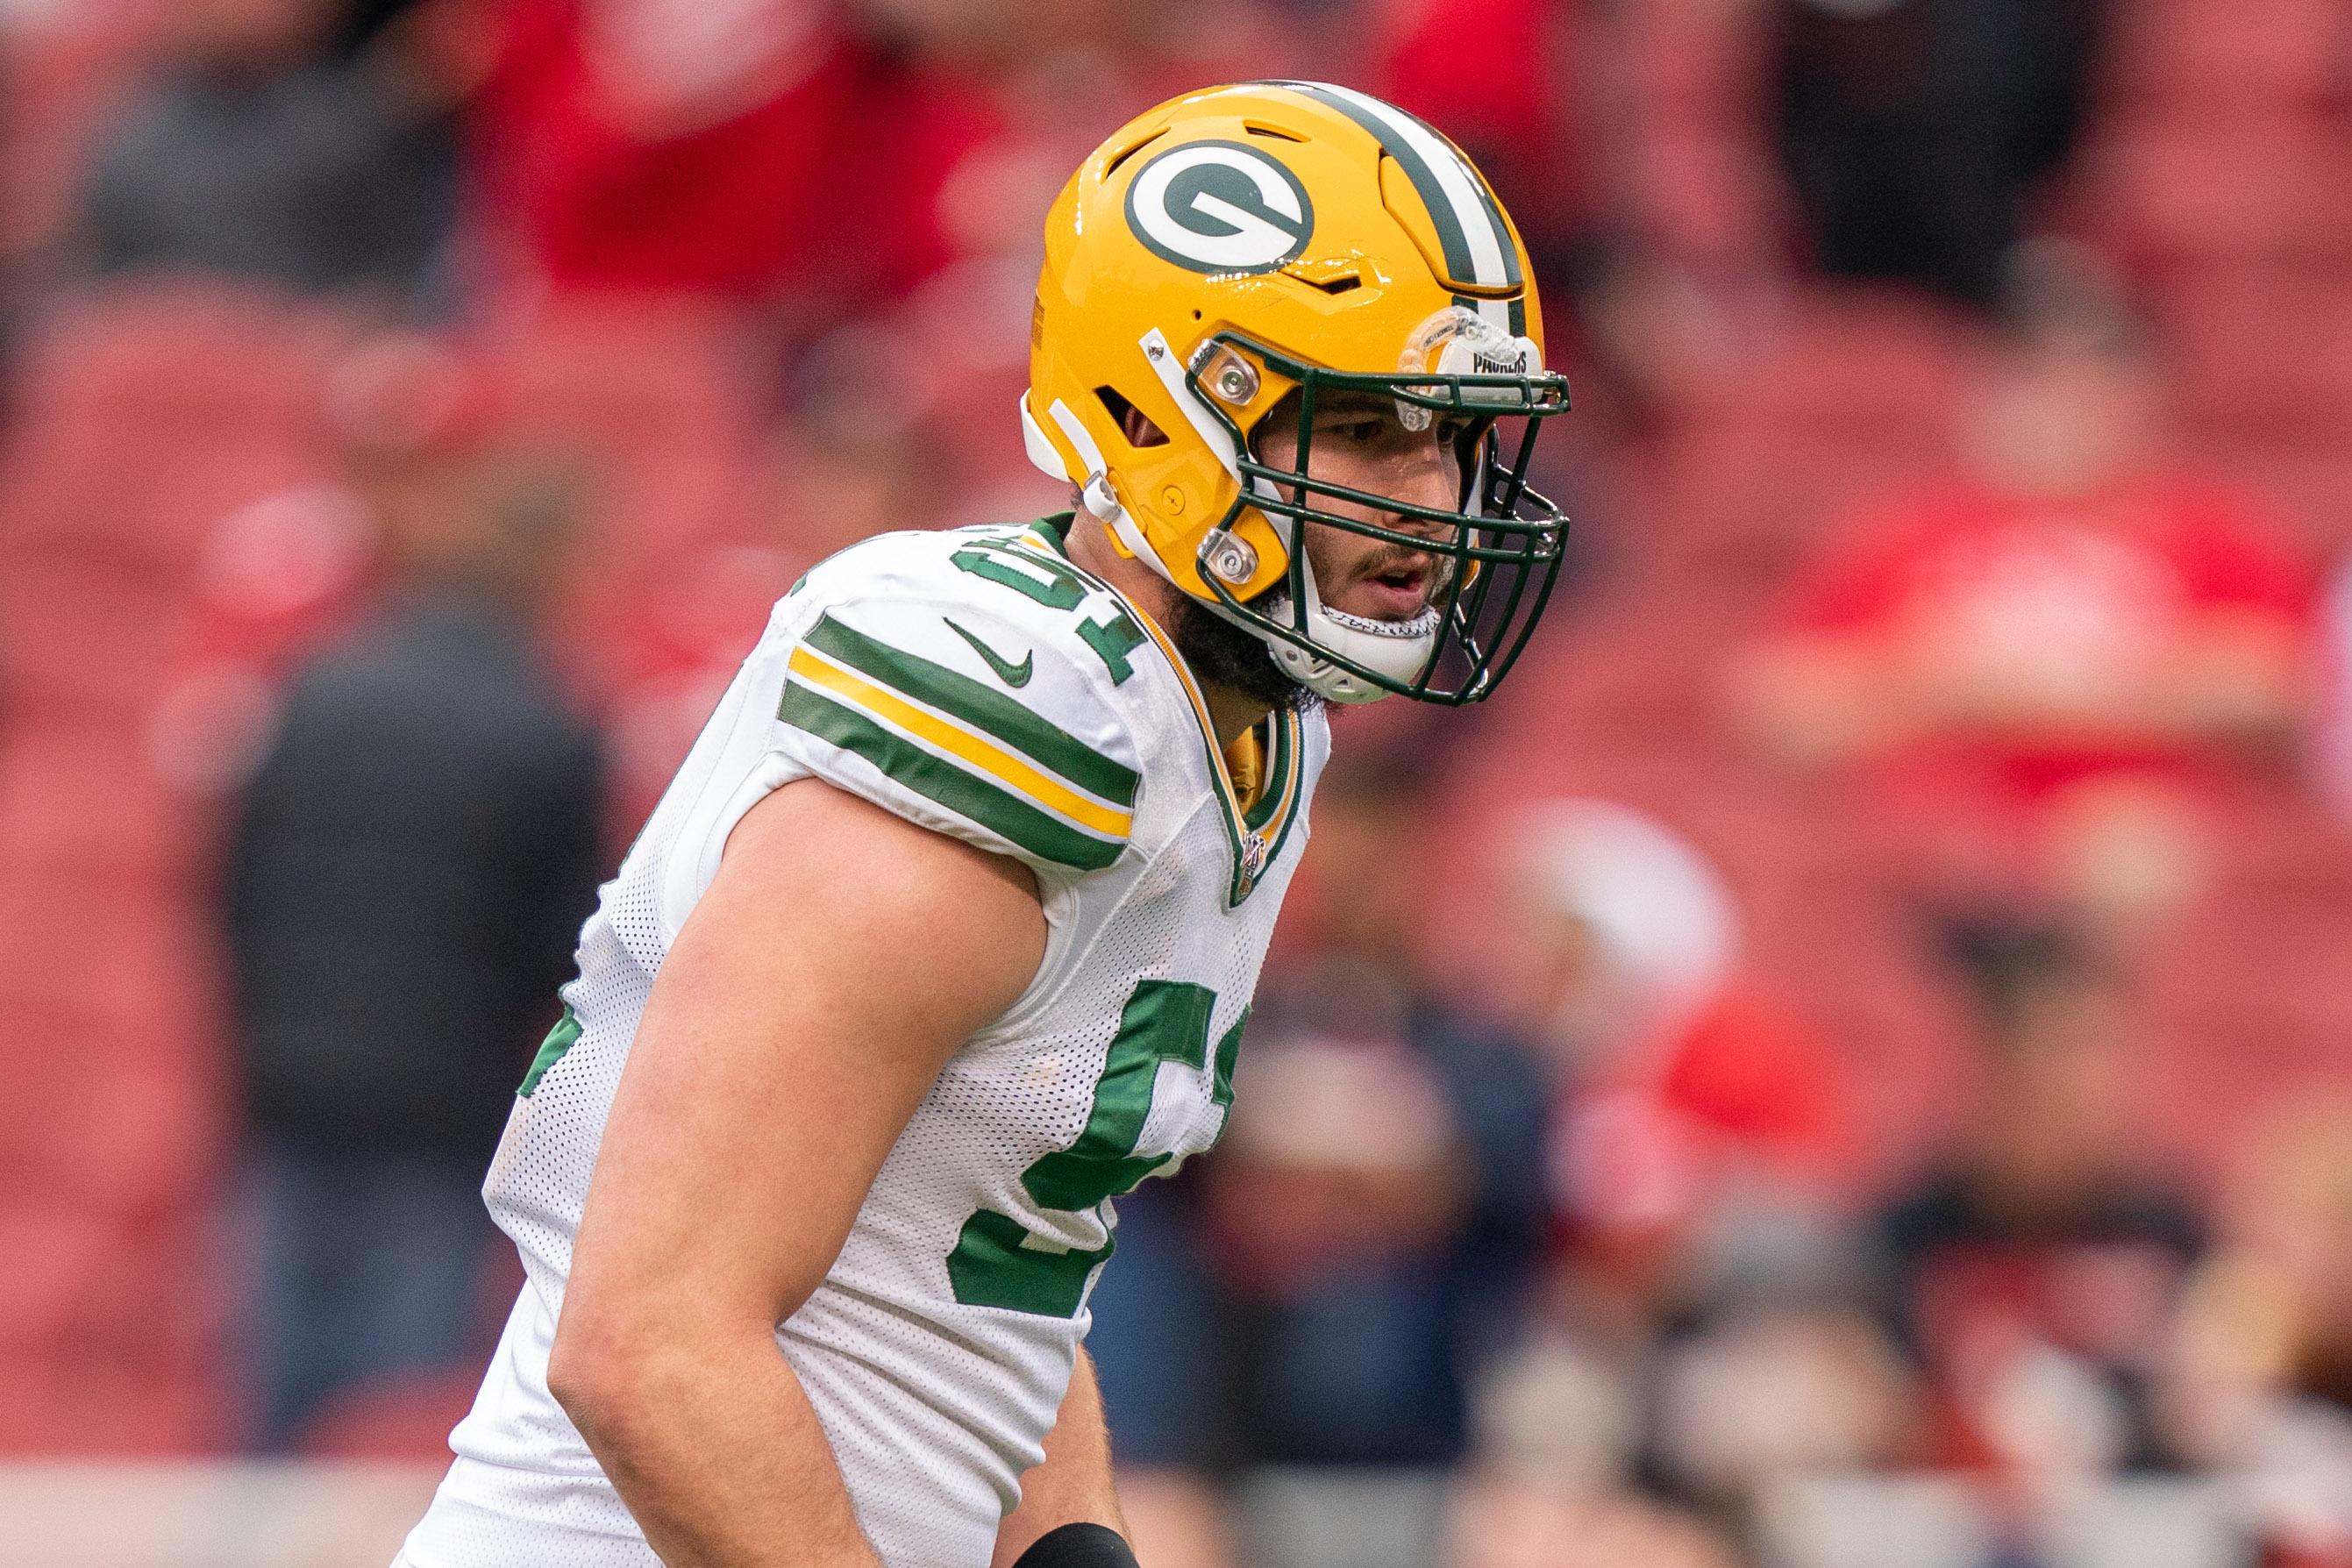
(1007, 671)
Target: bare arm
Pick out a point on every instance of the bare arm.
(1073, 1484)
(838, 959)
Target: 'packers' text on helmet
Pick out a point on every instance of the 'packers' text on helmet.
(1236, 246)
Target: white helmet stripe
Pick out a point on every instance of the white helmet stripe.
(1487, 242)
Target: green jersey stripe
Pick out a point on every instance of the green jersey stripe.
(985, 709)
(560, 1039)
(945, 783)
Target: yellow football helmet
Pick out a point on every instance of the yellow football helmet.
(1235, 245)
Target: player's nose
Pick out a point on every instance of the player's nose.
(1425, 477)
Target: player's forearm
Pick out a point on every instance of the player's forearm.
(712, 1444)
(1073, 1484)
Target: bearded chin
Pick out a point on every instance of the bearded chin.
(1222, 654)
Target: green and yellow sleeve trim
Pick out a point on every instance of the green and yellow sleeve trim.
(962, 745)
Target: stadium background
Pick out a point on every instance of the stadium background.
(1694, 1124)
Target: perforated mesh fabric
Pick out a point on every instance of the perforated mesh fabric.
(933, 1406)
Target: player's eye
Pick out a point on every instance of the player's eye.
(1363, 432)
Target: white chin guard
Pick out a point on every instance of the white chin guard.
(1398, 649)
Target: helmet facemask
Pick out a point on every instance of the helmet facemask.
(1498, 551)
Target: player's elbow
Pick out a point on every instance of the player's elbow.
(620, 1359)
(606, 1364)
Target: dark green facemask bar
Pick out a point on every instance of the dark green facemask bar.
(1505, 558)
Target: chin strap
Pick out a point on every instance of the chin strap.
(1398, 653)
(1094, 492)
(1398, 649)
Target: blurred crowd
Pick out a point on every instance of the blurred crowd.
(1848, 1059)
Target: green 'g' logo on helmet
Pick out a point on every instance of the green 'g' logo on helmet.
(1220, 207)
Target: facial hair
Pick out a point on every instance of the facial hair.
(1222, 654)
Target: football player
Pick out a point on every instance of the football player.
(944, 936)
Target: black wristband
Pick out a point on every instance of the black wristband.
(1078, 1546)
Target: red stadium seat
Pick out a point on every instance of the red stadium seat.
(2263, 353)
(86, 805)
(1687, 64)
(109, 1111)
(147, 414)
(2254, 187)
(1707, 196)
(1877, 373)
(107, 1333)
(81, 645)
(2195, 59)
(58, 1258)
(2308, 487)
(103, 1405)
(2245, 990)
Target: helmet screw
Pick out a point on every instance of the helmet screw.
(1233, 378)
(1171, 500)
(1232, 560)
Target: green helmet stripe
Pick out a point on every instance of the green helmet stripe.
(1413, 144)
(1450, 236)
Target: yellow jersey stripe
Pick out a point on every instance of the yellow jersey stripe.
(973, 751)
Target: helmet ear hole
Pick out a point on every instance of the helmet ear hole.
(1133, 423)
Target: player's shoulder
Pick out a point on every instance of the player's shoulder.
(981, 671)
(1001, 603)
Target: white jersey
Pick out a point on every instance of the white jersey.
(979, 684)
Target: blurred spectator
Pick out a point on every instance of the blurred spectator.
(1916, 131)
(651, 145)
(1766, 1385)
(2047, 667)
(2036, 1273)
(1690, 1100)
(254, 154)
(2263, 1381)
(407, 873)
(1379, 1208)
(1703, 1144)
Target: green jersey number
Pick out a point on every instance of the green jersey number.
(1057, 586)
(996, 1262)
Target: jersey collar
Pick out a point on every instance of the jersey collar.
(1256, 834)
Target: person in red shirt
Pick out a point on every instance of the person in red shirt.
(2042, 668)
(757, 150)
(1686, 1085)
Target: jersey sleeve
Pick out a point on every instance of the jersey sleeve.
(975, 720)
